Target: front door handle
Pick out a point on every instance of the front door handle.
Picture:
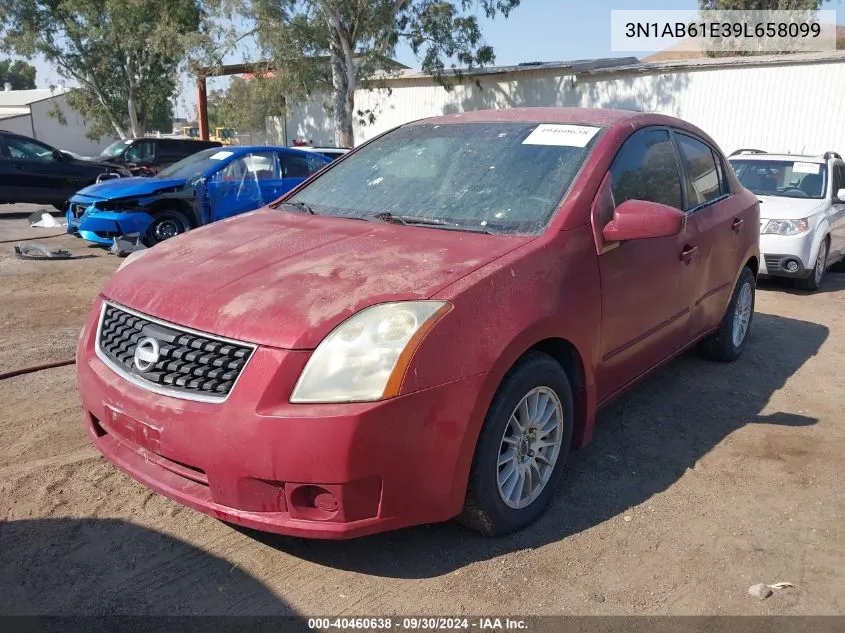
(737, 225)
(688, 253)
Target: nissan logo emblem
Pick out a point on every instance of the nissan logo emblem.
(146, 354)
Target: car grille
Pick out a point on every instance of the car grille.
(189, 364)
(772, 261)
(78, 209)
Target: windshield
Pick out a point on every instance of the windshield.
(195, 164)
(786, 178)
(115, 149)
(505, 177)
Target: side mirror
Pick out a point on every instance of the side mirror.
(840, 195)
(57, 155)
(640, 220)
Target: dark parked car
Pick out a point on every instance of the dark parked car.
(32, 171)
(148, 156)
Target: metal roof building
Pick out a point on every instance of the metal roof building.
(787, 103)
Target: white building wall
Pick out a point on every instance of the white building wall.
(21, 124)
(70, 137)
(785, 108)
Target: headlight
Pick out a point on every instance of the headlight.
(786, 227)
(364, 358)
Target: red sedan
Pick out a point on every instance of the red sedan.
(424, 329)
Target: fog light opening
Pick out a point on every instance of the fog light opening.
(791, 265)
(314, 502)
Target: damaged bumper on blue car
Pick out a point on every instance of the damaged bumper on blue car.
(101, 227)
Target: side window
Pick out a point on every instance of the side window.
(838, 177)
(142, 151)
(646, 169)
(263, 165)
(295, 166)
(171, 151)
(20, 148)
(702, 182)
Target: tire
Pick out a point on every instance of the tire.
(166, 224)
(485, 509)
(721, 345)
(813, 281)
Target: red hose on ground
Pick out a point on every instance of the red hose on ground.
(35, 368)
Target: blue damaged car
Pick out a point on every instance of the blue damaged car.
(205, 187)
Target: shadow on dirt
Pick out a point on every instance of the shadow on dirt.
(834, 281)
(109, 567)
(643, 443)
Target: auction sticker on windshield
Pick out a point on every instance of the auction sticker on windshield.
(805, 168)
(219, 155)
(563, 135)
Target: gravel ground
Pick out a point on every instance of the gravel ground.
(702, 481)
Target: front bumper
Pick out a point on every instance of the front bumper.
(787, 256)
(101, 227)
(321, 471)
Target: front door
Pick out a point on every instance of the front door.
(38, 175)
(245, 183)
(836, 215)
(647, 285)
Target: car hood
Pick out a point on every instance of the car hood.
(286, 279)
(783, 208)
(129, 187)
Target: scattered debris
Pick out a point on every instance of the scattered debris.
(42, 219)
(762, 591)
(125, 244)
(39, 251)
(759, 591)
(627, 518)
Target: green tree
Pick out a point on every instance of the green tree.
(760, 5)
(248, 102)
(124, 54)
(337, 46)
(18, 73)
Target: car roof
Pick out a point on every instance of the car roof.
(589, 116)
(804, 158)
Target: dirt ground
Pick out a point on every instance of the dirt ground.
(702, 481)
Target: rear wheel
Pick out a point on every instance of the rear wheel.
(814, 280)
(726, 343)
(522, 447)
(166, 224)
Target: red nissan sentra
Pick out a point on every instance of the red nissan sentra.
(424, 329)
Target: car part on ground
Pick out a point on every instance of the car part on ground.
(424, 329)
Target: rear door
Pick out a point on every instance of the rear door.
(296, 168)
(721, 224)
(244, 183)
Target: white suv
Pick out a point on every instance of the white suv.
(802, 211)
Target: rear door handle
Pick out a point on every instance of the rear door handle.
(737, 225)
(688, 253)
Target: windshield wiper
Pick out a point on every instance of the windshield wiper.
(302, 206)
(412, 220)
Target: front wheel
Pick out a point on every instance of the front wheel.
(522, 447)
(726, 343)
(166, 224)
(814, 280)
